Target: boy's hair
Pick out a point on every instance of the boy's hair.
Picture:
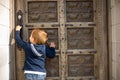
(40, 36)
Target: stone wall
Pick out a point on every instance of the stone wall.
(4, 39)
(115, 39)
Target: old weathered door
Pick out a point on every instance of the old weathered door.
(78, 27)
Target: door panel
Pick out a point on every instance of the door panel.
(79, 11)
(80, 38)
(71, 24)
(80, 65)
(42, 11)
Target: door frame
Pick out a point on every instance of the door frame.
(12, 66)
(102, 39)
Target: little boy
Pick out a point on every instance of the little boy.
(35, 53)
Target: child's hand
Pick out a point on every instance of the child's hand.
(18, 28)
(52, 44)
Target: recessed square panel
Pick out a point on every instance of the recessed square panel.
(79, 11)
(42, 11)
(80, 38)
(80, 65)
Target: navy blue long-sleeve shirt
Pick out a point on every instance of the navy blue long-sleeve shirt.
(34, 61)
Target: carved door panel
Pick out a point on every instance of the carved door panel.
(76, 27)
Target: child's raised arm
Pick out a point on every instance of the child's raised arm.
(18, 39)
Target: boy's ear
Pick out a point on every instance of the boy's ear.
(31, 39)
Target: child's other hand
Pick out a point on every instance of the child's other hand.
(52, 44)
(18, 27)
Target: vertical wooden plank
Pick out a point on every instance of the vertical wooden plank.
(102, 39)
(12, 41)
(19, 52)
(19, 5)
(62, 38)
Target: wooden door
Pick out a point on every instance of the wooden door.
(79, 31)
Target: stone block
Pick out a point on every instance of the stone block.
(113, 52)
(4, 16)
(118, 71)
(118, 14)
(5, 3)
(4, 35)
(118, 52)
(113, 15)
(117, 33)
(4, 62)
(113, 34)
